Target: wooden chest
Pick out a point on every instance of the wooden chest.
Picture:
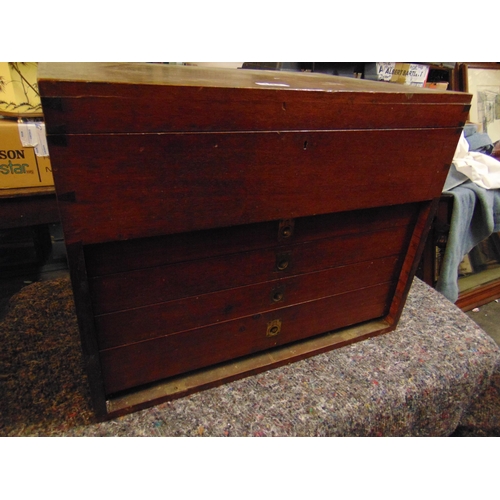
(222, 222)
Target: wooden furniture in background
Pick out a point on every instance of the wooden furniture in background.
(25, 215)
(483, 291)
(219, 222)
(28, 207)
(428, 269)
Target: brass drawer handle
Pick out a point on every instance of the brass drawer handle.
(283, 264)
(285, 230)
(283, 261)
(277, 295)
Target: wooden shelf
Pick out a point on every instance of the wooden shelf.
(28, 207)
(485, 288)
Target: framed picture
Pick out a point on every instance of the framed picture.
(482, 80)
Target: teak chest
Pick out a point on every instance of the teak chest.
(222, 222)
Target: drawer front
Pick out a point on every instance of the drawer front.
(151, 184)
(150, 286)
(157, 320)
(144, 362)
(121, 256)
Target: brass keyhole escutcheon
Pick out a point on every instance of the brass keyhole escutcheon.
(273, 328)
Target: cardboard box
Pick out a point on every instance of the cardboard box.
(437, 85)
(24, 158)
(404, 73)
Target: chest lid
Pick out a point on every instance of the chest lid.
(82, 98)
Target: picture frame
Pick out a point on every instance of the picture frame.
(482, 80)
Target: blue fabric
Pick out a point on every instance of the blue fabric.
(475, 216)
(470, 129)
(478, 141)
(454, 178)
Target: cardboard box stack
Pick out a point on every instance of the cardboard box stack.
(24, 155)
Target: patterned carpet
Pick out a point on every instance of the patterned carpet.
(438, 374)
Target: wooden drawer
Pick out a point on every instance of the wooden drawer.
(120, 256)
(144, 362)
(171, 308)
(142, 323)
(121, 291)
(214, 284)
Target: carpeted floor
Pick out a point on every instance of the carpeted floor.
(43, 383)
(438, 374)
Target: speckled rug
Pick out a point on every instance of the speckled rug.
(438, 374)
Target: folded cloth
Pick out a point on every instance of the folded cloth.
(480, 168)
(475, 216)
(478, 141)
(470, 129)
(454, 178)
